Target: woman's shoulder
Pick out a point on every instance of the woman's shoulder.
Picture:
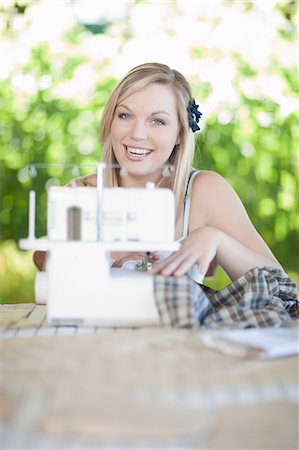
(207, 179)
(211, 188)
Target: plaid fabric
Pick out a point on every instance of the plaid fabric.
(262, 297)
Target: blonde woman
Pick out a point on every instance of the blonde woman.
(149, 121)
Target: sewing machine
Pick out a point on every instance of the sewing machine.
(84, 225)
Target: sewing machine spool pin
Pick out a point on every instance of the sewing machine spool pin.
(31, 222)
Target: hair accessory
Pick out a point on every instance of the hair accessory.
(193, 115)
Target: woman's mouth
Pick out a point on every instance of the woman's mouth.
(137, 153)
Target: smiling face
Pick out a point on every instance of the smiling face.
(144, 131)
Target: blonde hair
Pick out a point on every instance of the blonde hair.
(182, 154)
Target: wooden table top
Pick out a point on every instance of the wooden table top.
(142, 388)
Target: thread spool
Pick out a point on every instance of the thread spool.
(74, 223)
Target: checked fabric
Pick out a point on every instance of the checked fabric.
(263, 297)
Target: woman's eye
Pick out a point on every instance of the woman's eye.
(158, 122)
(124, 116)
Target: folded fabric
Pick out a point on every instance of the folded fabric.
(263, 297)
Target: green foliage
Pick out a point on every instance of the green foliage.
(17, 274)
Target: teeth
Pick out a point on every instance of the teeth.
(138, 151)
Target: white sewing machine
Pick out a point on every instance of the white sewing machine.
(84, 225)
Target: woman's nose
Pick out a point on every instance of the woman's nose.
(138, 131)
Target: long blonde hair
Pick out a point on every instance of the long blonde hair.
(182, 154)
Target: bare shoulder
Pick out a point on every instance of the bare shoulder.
(208, 176)
(209, 182)
(215, 198)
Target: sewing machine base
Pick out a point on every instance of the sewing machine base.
(82, 289)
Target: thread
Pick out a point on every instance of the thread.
(74, 223)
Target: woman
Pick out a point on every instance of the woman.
(149, 121)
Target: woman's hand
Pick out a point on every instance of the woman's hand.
(199, 247)
(121, 258)
(207, 244)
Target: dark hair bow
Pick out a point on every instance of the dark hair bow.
(193, 115)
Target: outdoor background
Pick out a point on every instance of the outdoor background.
(60, 60)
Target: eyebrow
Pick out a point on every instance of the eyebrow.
(152, 114)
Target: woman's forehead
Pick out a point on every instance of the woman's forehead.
(156, 96)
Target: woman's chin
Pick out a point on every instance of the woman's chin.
(145, 172)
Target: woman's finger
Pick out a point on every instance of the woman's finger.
(170, 264)
(185, 266)
(158, 266)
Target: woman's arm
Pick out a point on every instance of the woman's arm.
(219, 228)
(221, 208)
(237, 259)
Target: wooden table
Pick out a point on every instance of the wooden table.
(145, 388)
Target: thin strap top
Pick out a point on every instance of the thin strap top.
(194, 272)
(187, 203)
